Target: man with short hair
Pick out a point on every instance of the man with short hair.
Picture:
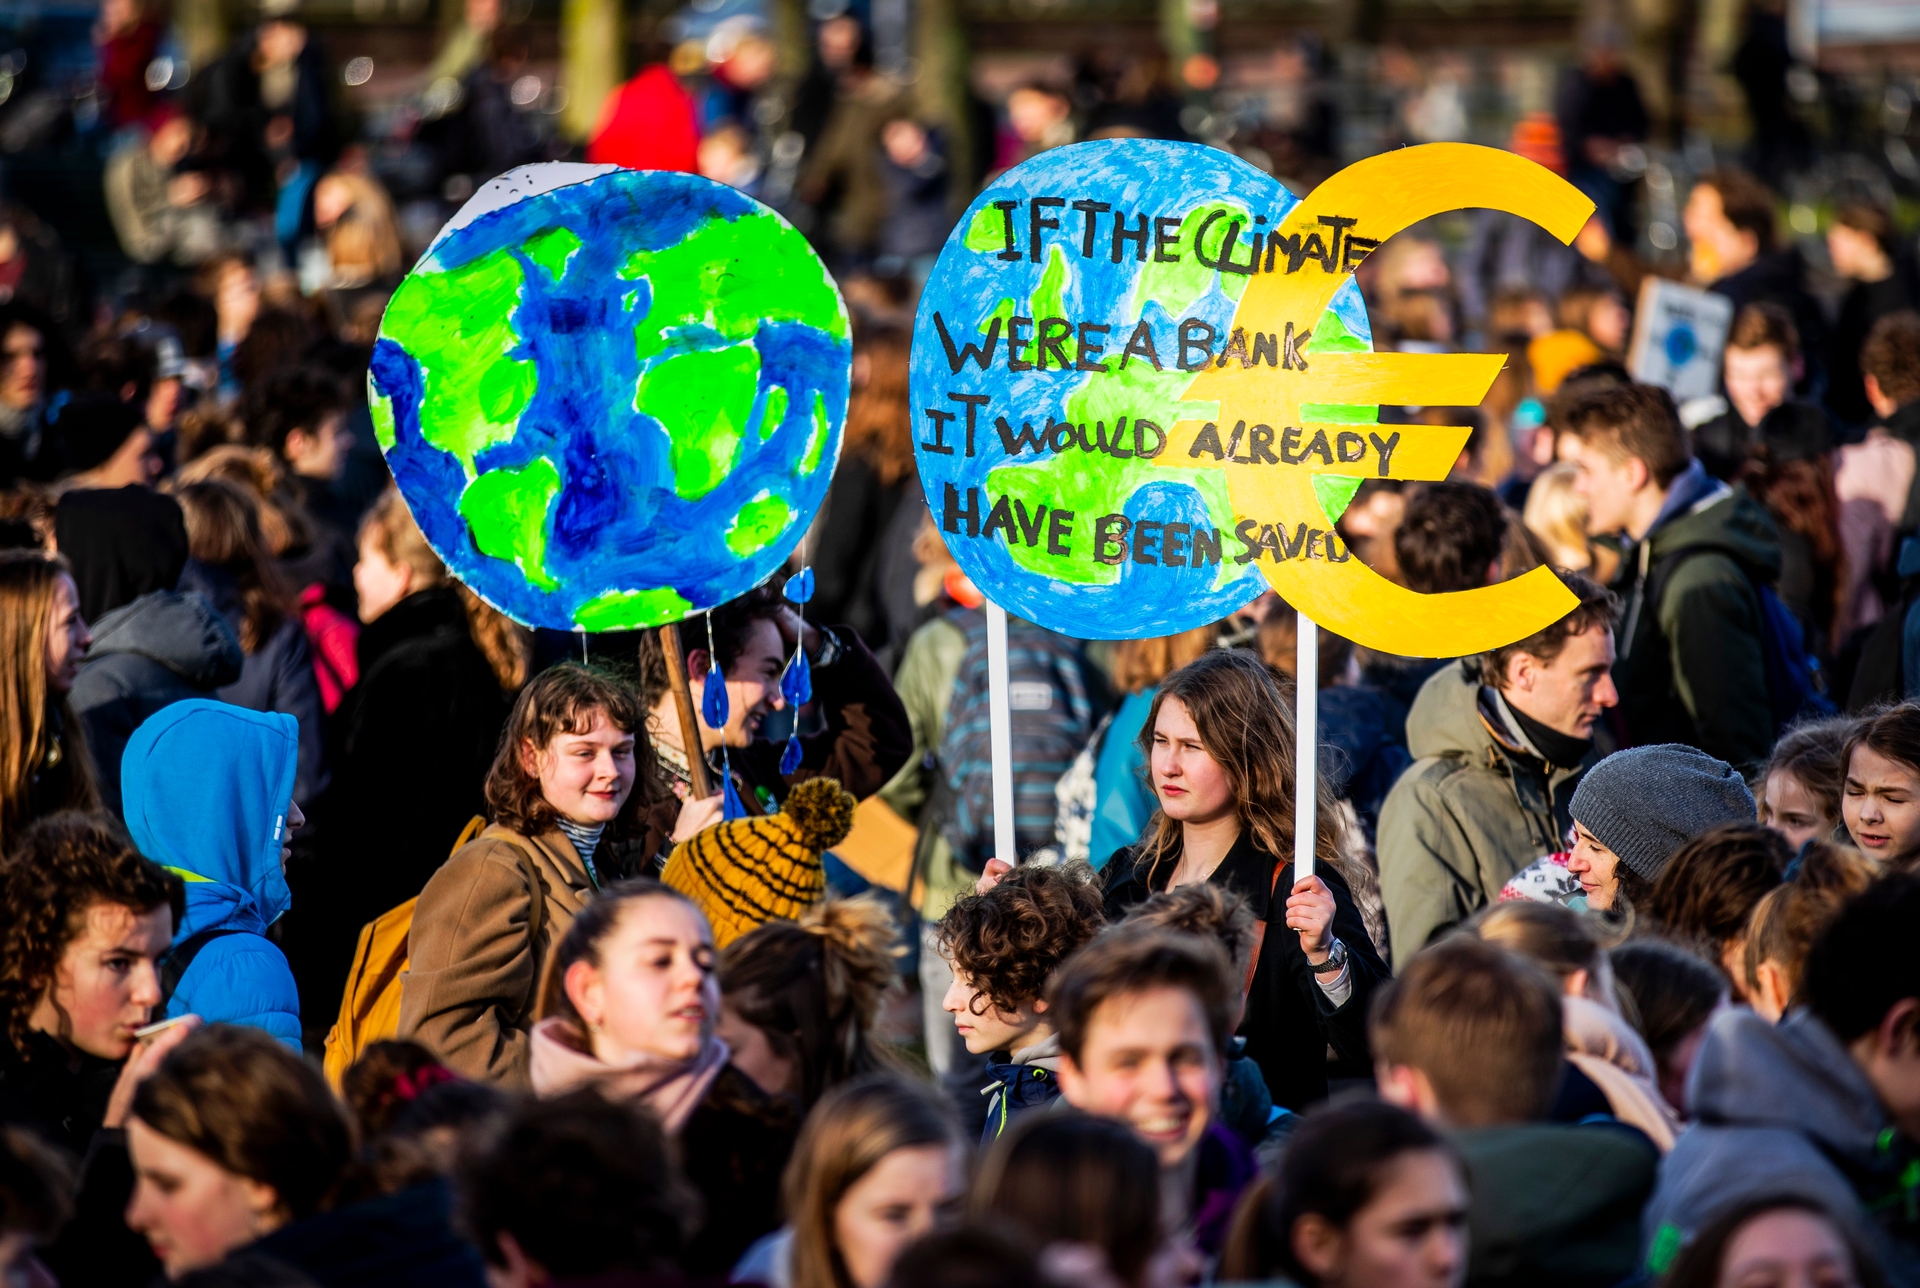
(1823, 1106)
(1502, 742)
(1144, 1020)
(1734, 250)
(1692, 667)
(1468, 1036)
(299, 414)
(866, 736)
(1864, 243)
(1763, 422)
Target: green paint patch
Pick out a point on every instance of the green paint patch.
(506, 510)
(552, 249)
(817, 439)
(987, 232)
(1341, 413)
(730, 276)
(620, 610)
(381, 409)
(1330, 335)
(758, 524)
(1177, 285)
(704, 399)
(773, 412)
(458, 325)
(1335, 493)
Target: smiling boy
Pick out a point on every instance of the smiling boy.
(1005, 945)
(1144, 1019)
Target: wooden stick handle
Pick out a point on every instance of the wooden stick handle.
(683, 701)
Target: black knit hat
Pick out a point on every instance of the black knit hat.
(92, 428)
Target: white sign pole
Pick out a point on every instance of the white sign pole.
(1306, 740)
(1000, 714)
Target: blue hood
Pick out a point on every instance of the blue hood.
(206, 787)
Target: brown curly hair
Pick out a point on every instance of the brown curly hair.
(62, 866)
(1010, 940)
(563, 700)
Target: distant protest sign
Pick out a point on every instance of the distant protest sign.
(1679, 334)
(1144, 390)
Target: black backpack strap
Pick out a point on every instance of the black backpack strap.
(173, 967)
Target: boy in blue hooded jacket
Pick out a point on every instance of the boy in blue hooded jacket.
(208, 793)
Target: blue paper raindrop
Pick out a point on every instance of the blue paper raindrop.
(790, 755)
(796, 682)
(800, 586)
(730, 806)
(713, 702)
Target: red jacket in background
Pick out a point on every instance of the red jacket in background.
(647, 124)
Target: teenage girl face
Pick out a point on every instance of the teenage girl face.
(67, 636)
(107, 981)
(1881, 803)
(654, 992)
(906, 1194)
(1192, 786)
(193, 1211)
(1597, 867)
(379, 582)
(1786, 1248)
(1793, 811)
(1412, 1234)
(586, 776)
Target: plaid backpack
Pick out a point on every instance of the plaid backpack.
(1053, 718)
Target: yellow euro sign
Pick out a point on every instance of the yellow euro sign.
(1307, 259)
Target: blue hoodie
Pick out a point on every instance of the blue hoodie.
(205, 786)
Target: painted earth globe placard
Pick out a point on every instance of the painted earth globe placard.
(1068, 315)
(612, 397)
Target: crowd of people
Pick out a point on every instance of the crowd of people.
(356, 935)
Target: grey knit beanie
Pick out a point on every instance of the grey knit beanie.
(1646, 802)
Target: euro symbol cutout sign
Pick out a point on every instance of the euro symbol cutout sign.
(1362, 206)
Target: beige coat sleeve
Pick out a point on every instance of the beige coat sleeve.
(472, 969)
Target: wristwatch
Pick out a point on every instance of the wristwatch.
(830, 648)
(1335, 961)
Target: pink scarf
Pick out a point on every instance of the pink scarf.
(673, 1089)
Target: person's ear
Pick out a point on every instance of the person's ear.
(1638, 474)
(1319, 1246)
(529, 758)
(1038, 1006)
(585, 990)
(299, 443)
(263, 1203)
(1073, 1083)
(1522, 669)
(1771, 997)
(1899, 1033)
(1576, 984)
(699, 661)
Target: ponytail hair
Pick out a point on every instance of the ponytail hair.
(815, 987)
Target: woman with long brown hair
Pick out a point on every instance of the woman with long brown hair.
(43, 753)
(228, 563)
(1219, 745)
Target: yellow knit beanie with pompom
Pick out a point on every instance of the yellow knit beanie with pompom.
(755, 870)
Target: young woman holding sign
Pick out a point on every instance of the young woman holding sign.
(1220, 748)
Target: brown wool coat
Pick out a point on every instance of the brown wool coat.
(473, 981)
